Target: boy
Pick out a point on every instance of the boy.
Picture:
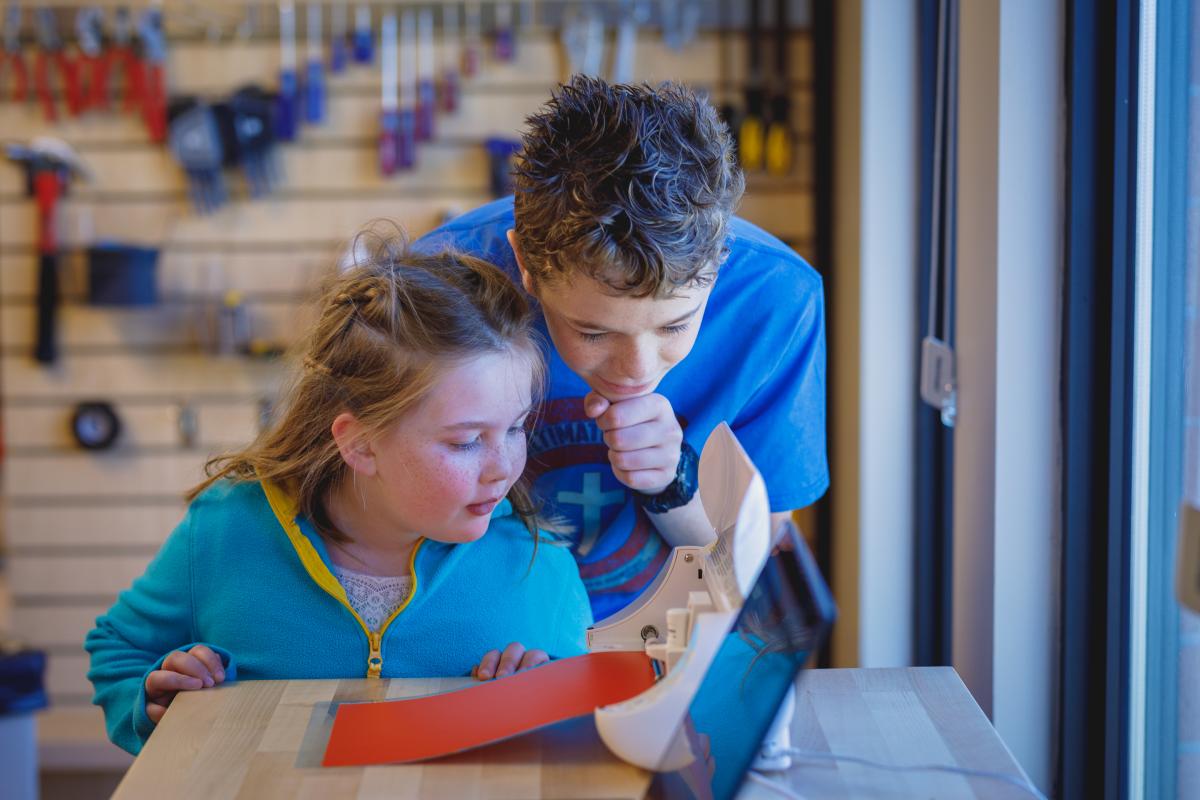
(667, 314)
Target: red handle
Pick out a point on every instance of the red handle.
(41, 83)
(98, 67)
(20, 78)
(68, 70)
(134, 78)
(154, 103)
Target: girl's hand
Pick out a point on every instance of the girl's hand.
(198, 668)
(515, 658)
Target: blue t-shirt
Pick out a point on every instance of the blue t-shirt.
(758, 364)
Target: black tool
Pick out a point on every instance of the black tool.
(95, 425)
(195, 141)
(751, 135)
(779, 132)
(728, 109)
(249, 137)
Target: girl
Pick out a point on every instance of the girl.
(349, 539)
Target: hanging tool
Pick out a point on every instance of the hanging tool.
(95, 424)
(473, 18)
(362, 34)
(339, 48)
(426, 86)
(13, 59)
(195, 142)
(728, 109)
(314, 75)
(187, 424)
(751, 136)
(504, 44)
(680, 21)
(779, 132)
(501, 152)
(94, 59)
(448, 85)
(289, 89)
(583, 39)
(233, 324)
(389, 119)
(50, 164)
(406, 147)
(124, 59)
(52, 52)
(249, 138)
(526, 16)
(633, 13)
(154, 81)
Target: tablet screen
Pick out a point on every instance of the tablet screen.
(784, 620)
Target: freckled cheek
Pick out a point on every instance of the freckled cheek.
(517, 457)
(581, 359)
(447, 484)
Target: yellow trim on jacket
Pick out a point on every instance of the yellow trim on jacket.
(284, 508)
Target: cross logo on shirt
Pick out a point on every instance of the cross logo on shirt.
(593, 500)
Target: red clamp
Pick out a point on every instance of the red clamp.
(20, 75)
(123, 59)
(51, 50)
(93, 59)
(12, 54)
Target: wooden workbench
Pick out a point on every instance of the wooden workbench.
(263, 739)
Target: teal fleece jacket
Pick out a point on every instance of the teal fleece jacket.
(247, 577)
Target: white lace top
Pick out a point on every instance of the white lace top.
(372, 596)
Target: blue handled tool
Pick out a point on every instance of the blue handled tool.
(314, 75)
(389, 117)
(426, 88)
(448, 85)
(406, 139)
(286, 106)
(362, 34)
(505, 43)
(339, 51)
(470, 52)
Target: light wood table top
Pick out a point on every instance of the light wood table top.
(264, 739)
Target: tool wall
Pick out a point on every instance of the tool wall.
(154, 370)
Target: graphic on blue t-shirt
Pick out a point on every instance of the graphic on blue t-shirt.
(569, 468)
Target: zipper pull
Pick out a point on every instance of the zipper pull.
(375, 660)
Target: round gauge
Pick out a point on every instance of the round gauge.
(95, 425)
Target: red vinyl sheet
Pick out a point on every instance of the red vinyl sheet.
(419, 728)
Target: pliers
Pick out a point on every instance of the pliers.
(51, 50)
(93, 59)
(122, 57)
(12, 53)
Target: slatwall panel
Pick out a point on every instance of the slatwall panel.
(79, 527)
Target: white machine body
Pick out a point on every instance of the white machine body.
(682, 618)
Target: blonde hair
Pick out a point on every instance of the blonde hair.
(389, 327)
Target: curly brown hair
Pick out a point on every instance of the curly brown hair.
(632, 185)
(388, 328)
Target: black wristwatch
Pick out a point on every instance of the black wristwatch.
(680, 491)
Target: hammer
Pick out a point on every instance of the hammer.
(49, 166)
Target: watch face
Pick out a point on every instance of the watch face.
(95, 425)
